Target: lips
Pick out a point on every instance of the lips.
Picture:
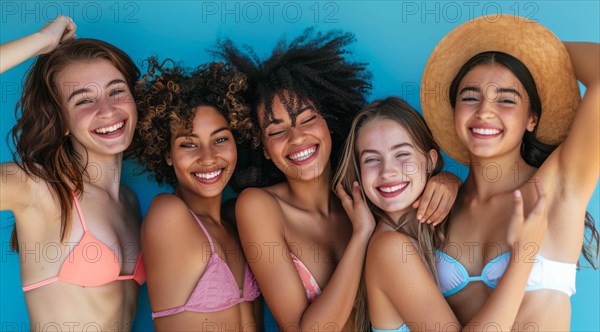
(485, 133)
(303, 156)
(110, 130)
(209, 176)
(392, 189)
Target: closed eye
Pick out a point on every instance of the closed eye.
(83, 102)
(275, 133)
(116, 92)
(309, 120)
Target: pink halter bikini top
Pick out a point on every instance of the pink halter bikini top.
(216, 289)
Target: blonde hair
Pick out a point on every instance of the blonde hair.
(428, 238)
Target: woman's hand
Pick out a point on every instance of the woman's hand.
(357, 210)
(438, 198)
(526, 234)
(57, 31)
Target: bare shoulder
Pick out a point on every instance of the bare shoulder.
(391, 251)
(167, 214)
(385, 242)
(255, 203)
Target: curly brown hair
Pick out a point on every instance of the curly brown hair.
(167, 100)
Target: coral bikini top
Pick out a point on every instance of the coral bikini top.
(91, 263)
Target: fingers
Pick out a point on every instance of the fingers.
(539, 211)
(70, 30)
(517, 219)
(424, 202)
(356, 194)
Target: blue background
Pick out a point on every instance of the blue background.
(394, 37)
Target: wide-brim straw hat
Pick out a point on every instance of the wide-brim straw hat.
(544, 55)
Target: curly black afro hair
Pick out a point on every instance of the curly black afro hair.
(167, 99)
(312, 69)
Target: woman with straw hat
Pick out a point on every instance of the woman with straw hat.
(507, 105)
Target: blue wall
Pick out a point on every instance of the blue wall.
(394, 37)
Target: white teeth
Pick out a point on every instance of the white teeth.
(303, 155)
(486, 131)
(393, 188)
(110, 129)
(208, 176)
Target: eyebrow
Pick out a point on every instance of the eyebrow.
(86, 90)
(196, 136)
(395, 147)
(498, 90)
(300, 111)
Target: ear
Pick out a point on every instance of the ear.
(532, 122)
(168, 159)
(433, 158)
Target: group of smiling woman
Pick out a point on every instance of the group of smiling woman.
(345, 219)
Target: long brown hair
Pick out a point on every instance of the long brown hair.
(43, 150)
(428, 238)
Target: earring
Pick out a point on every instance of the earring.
(266, 154)
(67, 132)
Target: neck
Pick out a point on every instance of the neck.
(205, 208)
(488, 177)
(105, 173)
(314, 194)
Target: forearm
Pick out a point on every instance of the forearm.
(331, 309)
(586, 61)
(17, 51)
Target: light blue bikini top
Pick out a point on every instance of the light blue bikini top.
(402, 328)
(546, 274)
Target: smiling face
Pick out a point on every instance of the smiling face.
(100, 109)
(204, 159)
(393, 171)
(492, 112)
(300, 151)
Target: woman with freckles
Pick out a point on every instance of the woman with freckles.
(77, 117)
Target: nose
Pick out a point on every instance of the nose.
(106, 108)
(389, 168)
(486, 110)
(296, 136)
(207, 155)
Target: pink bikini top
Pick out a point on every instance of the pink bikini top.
(91, 263)
(216, 289)
(310, 283)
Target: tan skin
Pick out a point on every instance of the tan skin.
(569, 175)
(111, 212)
(176, 250)
(400, 286)
(304, 217)
(57, 31)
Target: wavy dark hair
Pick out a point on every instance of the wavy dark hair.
(428, 238)
(533, 151)
(43, 150)
(167, 101)
(311, 69)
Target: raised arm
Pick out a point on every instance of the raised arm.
(579, 155)
(59, 30)
(267, 253)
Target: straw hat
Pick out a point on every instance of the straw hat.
(534, 45)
